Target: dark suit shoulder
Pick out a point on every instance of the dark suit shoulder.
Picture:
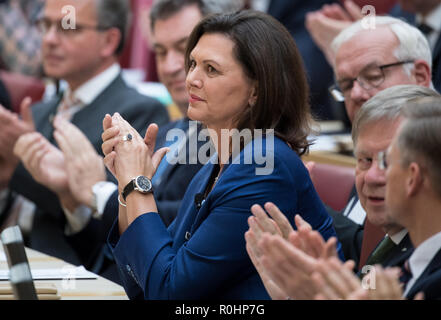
(123, 96)
(429, 281)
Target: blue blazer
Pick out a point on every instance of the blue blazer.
(202, 254)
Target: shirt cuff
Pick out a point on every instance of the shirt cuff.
(77, 220)
(102, 192)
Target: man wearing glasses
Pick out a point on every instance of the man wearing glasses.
(373, 131)
(370, 60)
(86, 57)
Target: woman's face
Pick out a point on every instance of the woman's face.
(218, 88)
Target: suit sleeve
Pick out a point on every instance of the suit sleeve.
(215, 253)
(89, 242)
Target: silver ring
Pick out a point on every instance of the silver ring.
(128, 137)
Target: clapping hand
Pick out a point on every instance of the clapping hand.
(128, 158)
(43, 161)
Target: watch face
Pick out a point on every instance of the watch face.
(143, 183)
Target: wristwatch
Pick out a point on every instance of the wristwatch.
(140, 183)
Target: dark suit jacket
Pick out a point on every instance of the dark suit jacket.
(350, 235)
(291, 13)
(436, 67)
(436, 53)
(5, 99)
(202, 254)
(48, 229)
(429, 282)
(168, 196)
(176, 178)
(397, 255)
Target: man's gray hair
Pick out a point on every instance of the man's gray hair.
(387, 105)
(115, 14)
(163, 9)
(420, 139)
(413, 44)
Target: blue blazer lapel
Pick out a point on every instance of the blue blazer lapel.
(188, 217)
(203, 212)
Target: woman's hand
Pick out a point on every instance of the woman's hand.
(127, 159)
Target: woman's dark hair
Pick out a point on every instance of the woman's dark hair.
(269, 56)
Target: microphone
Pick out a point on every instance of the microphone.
(19, 271)
(198, 200)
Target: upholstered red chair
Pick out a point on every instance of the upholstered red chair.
(381, 6)
(333, 184)
(20, 86)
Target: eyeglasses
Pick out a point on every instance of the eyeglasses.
(382, 161)
(369, 78)
(44, 25)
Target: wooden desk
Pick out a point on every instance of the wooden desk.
(330, 158)
(78, 289)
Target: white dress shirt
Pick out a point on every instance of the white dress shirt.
(86, 94)
(355, 212)
(398, 237)
(260, 5)
(421, 258)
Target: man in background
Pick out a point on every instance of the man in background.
(86, 57)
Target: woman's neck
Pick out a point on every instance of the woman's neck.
(220, 138)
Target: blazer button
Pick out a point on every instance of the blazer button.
(187, 235)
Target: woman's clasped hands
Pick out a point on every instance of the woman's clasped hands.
(127, 154)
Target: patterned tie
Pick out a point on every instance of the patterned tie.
(405, 274)
(381, 252)
(68, 106)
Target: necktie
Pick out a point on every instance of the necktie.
(405, 274)
(381, 252)
(69, 105)
(425, 29)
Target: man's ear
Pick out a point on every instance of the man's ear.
(414, 180)
(111, 42)
(422, 73)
